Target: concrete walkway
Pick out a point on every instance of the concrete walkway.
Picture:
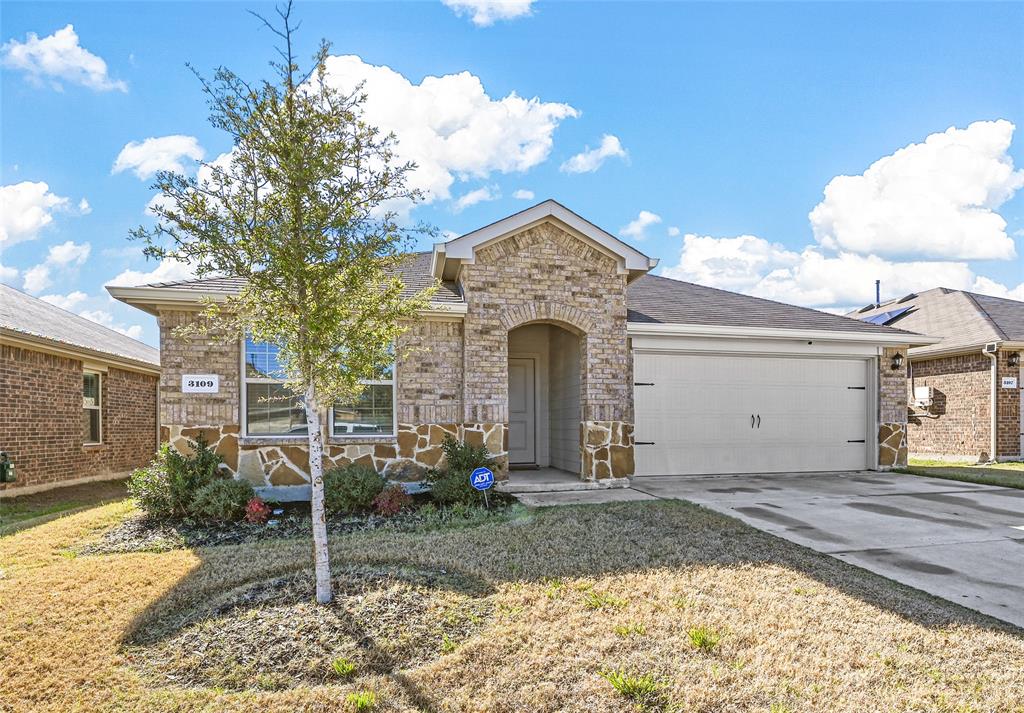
(959, 541)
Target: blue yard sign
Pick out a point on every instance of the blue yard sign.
(481, 478)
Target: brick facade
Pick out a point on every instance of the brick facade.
(41, 419)
(451, 375)
(958, 423)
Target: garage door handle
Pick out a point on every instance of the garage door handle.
(751, 420)
(643, 383)
(857, 441)
(643, 443)
(759, 420)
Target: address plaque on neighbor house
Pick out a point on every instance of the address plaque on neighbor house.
(200, 383)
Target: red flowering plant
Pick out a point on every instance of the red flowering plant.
(391, 501)
(257, 511)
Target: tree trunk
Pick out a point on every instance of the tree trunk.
(316, 475)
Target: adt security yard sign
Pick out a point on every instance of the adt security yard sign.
(481, 478)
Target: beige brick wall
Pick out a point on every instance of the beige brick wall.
(892, 410)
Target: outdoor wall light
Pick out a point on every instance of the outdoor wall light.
(897, 361)
(1013, 359)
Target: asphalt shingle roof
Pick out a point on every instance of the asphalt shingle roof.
(415, 273)
(960, 319)
(650, 299)
(31, 316)
(653, 300)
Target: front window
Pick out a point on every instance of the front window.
(92, 407)
(272, 410)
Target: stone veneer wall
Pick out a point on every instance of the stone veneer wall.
(892, 410)
(961, 425)
(607, 448)
(545, 274)
(41, 420)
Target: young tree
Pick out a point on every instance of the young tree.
(301, 208)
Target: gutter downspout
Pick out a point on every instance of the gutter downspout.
(992, 404)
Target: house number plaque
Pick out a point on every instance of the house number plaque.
(200, 383)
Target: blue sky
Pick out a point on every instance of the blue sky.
(713, 130)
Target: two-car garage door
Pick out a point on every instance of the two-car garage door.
(724, 413)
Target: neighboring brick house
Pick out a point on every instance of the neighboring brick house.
(950, 384)
(79, 401)
(530, 348)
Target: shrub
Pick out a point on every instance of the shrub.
(166, 487)
(391, 501)
(351, 488)
(451, 486)
(224, 500)
(257, 511)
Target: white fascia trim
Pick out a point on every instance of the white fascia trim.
(918, 355)
(462, 248)
(703, 330)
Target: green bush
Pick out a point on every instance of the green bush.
(166, 487)
(351, 488)
(223, 500)
(451, 486)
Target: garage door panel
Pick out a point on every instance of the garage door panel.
(697, 415)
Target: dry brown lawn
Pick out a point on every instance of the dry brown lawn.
(575, 592)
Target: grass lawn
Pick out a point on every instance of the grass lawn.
(1010, 475)
(26, 510)
(607, 608)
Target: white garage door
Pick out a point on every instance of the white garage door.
(749, 414)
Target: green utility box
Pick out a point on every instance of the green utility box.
(6, 468)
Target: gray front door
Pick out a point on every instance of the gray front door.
(522, 411)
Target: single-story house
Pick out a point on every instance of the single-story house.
(965, 389)
(79, 400)
(550, 343)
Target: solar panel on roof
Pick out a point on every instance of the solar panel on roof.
(883, 318)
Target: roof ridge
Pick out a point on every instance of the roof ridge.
(765, 299)
(984, 313)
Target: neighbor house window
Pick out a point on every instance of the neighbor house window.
(92, 406)
(272, 410)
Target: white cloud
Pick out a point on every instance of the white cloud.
(158, 153)
(635, 228)
(937, 198)
(103, 317)
(523, 195)
(59, 258)
(484, 13)
(449, 125)
(83, 207)
(8, 275)
(480, 195)
(591, 159)
(25, 209)
(990, 287)
(673, 231)
(67, 301)
(167, 271)
(754, 266)
(59, 58)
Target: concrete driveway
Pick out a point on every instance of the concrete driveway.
(959, 541)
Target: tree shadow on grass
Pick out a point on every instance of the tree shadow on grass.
(579, 542)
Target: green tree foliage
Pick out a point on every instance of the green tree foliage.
(302, 208)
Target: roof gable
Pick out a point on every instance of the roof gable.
(447, 257)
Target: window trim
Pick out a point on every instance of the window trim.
(243, 415)
(98, 407)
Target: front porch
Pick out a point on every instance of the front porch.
(551, 480)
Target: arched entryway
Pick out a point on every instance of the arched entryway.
(545, 362)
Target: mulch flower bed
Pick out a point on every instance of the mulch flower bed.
(139, 533)
(272, 635)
